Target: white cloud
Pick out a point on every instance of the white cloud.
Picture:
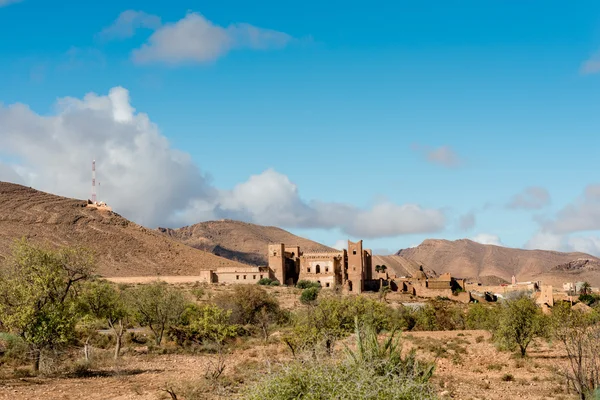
(486, 238)
(128, 22)
(140, 175)
(582, 215)
(388, 220)
(444, 155)
(195, 39)
(466, 222)
(340, 245)
(146, 180)
(532, 198)
(588, 244)
(8, 2)
(544, 240)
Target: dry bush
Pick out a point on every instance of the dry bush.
(579, 334)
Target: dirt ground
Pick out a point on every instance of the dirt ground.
(468, 366)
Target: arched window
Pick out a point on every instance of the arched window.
(318, 269)
(326, 269)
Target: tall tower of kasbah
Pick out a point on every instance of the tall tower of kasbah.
(356, 267)
(277, 261)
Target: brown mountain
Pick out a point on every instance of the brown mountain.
(467, 259)
(239, 241)
(122, 248)
(248, 243)
(400, 266)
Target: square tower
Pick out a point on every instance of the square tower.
(277, 261)
(356, 267)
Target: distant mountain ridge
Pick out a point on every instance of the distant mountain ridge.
(468, 259)
(240, 241)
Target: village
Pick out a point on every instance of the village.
(351, 271)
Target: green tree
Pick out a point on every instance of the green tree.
(309, 295)
(37, 289)
(102, 301)
(521, 321)
(158, 306)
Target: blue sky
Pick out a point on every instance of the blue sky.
(391, 121)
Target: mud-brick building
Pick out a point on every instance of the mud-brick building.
(348, 269)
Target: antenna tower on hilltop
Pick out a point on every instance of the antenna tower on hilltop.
(94, 181)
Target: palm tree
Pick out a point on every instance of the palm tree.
(585, 289)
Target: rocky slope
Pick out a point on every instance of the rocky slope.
(468, 259)
(122, 248)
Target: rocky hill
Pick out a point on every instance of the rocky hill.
(237, 240)
(247, 243)
(122, 248)
(468, 259)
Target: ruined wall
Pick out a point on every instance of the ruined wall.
(545, 296)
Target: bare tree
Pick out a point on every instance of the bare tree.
(579, 334)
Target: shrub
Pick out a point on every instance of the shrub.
(440, 315)
(374, 371)
(14, 350)
(158, 306)
(309, 295)
(579, 334)
(333, 318)
(508, 378)
(480, 316)
(589, 299)
(274, 283)
(265, 282)
(246, 303)
(204, 323)
(198, 293)
(304, 284)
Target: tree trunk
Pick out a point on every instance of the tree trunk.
(119, 330)
(86, 350)
(37, 356)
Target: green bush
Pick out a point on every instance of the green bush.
(265, 282)
(274, 283)
(309, 295)
(332, 318)
(480, 316)
(204, 323)
(304, 284)
(374, 371)
(589, 299)
(246, 302)
(440, 315)
(13, 349)
(198, 293)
